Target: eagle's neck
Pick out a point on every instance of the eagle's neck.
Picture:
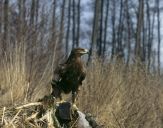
(73, 59)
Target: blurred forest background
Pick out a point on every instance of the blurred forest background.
(127, 29)
(124, 64)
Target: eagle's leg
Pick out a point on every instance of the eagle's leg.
(74, 95)
(58, 95)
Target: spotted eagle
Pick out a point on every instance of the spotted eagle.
(68, 76)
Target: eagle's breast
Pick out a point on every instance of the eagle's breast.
(71, 78)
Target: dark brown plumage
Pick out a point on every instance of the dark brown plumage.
(69, 76)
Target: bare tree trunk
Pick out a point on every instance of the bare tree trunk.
(128, 32)
(61, 35)
(78, 25)
(113, 31)
(138, 49)
(23, 27)
(19, 25)
(144, 40)
(30, 49)
(100, 41)
(1, 27)
(24, 11)
(43, 24)
(95, 27)
(62, 23)
(37, 12)
(106, 26)
(53, 21)
(21, 21)
(32, 15)
(52, 42)
(74, 24)
(6, 25)
(1, 8)
(159, 36)
(68, 26)
(119, 50)
(149, 44)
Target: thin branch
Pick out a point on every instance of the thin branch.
(116, 120)
(28, 105)
(3, 114)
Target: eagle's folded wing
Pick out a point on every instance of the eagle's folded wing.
(58, 72)
(82, 77)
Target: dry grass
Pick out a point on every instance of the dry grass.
(123, 97)
(119, 97)
(17, 83)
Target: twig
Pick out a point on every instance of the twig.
(43, 117)
(26, 95)
(116, 119)
(49, 119)
(5, 122)
(13, 125)
(3, 114)
(32, 116)
(15, 116)
(28, 105)
(74, 123)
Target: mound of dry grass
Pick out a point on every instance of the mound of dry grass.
(28, 116)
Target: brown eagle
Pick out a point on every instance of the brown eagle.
(69, 75)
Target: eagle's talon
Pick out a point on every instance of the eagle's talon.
(74, 107)
(61, 101)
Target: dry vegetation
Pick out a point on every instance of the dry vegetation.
(118, 96)
(123, 97)
(35, 33)
(21, 84)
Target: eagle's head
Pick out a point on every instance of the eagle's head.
(78, 52)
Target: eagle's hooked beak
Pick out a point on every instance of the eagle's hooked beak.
(86, 51)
